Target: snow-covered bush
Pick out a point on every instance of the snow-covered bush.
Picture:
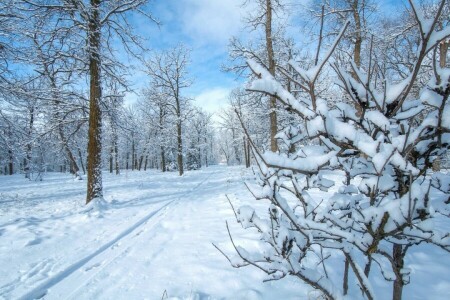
(381, 142)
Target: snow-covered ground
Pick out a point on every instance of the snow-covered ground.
(152, 240)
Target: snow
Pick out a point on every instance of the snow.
(153, 236)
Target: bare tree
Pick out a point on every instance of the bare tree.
(100, 21)
(168, 71)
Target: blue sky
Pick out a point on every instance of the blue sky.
(205, 26)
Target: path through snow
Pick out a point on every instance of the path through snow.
(153, 238)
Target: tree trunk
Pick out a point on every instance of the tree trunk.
(132, 154)
(72, 162)
(180, 149)
(398, 261)
(116, 158)
(357, 46)
(358, 34)
(81, 160)
(199, 153)
(115, 148)
(27, 162)
(206, 152)
(443, 48)
(245, 151)
(248, 154)
(111, 159)
(145, 163)
(271, 59)
(141, 161)
(235, 147)
(11, 162)
(94, 165)
(163, 160)
(347, 264)
(345, 282)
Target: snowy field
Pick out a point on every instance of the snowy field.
(152, 240)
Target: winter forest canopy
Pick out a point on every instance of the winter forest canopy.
(339, 118)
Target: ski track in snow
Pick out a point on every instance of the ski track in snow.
(154, 238)
(83, 270)
(101, 258)
(41, 290)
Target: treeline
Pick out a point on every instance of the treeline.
(62, 82)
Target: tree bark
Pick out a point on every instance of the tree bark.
(345, 282)
(28, 148)
(206, 153)
(145, 163)
(94, 165)
(180, 149)
(179, 133)
(11, 162)
(443, 48)
(163, 159)
(132, 153)
(358, 34)
(270, 56)
(116, 158)
(111, 159)
(81, 160)
(398, 261)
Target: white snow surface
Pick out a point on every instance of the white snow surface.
(151, 239)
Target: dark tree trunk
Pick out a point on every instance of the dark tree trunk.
(145, 163)
(398, 256)
(244, 143)
(111, 159)
(94, 165)
(345, 284)
(11, 162)
(347, 264)
(248, 154)
(141, 161)
(72, 162)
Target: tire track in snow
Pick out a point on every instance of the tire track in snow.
(42, 290)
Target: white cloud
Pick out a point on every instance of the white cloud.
(213, 99)
(208, 21)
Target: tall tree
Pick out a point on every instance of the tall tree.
(87, 19)
(168, 71)
(262, 17)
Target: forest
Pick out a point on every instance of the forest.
(324, 176)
